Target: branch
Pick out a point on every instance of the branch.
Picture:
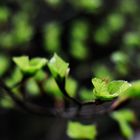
(85, 110)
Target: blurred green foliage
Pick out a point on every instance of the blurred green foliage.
(124, 117)
(99, 38)
(84, 131)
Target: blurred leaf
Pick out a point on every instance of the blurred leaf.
(29, 67)
(133, 91)
(58, 67)
(54, 2)
(102, 71)
(4, 64)
(15, 78)
(4, 14)
(124, 117)
(115, 22)
(102, 36)
(22, 31)
(88, 5)
(52, 88)
(52, 37)
(78, 50)
(40, 75)
(32, 87)
(121, 62)
(86, 94)
(76, 130)
(6, 40)
(6, 102)
(119, 57)
(128, 6)
(131, 39)
(71, 86)
(79, 30)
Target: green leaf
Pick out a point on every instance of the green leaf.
(100, 89)
(4, 64)
(121, 61)
(76, 130)
(79, 30)
(71, 86)
(58, 67)
(29, 67)
(118, 87)
(115, 22)
(32, 87)
(54, 3)
(108, 90)
(6, 102)
(22, 31)
(78, 50)
(52, 34)
(102, 71)
(102, 36)
(4, 14)
(86, 94)
(88, 5)
(134, 91)
(52, 88)
(131, 39)
(124, 117)
(14, 78)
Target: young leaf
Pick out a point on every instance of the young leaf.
(118, 87)
(58, 67)
(100, 89)
(76, 130)
(108, 90)
(124, 117)
(29, 67)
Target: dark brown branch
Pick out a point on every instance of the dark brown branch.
(84, 110)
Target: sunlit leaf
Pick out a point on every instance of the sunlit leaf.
(58, 66)
(118, 87)
(29, 66)
(105, 90)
